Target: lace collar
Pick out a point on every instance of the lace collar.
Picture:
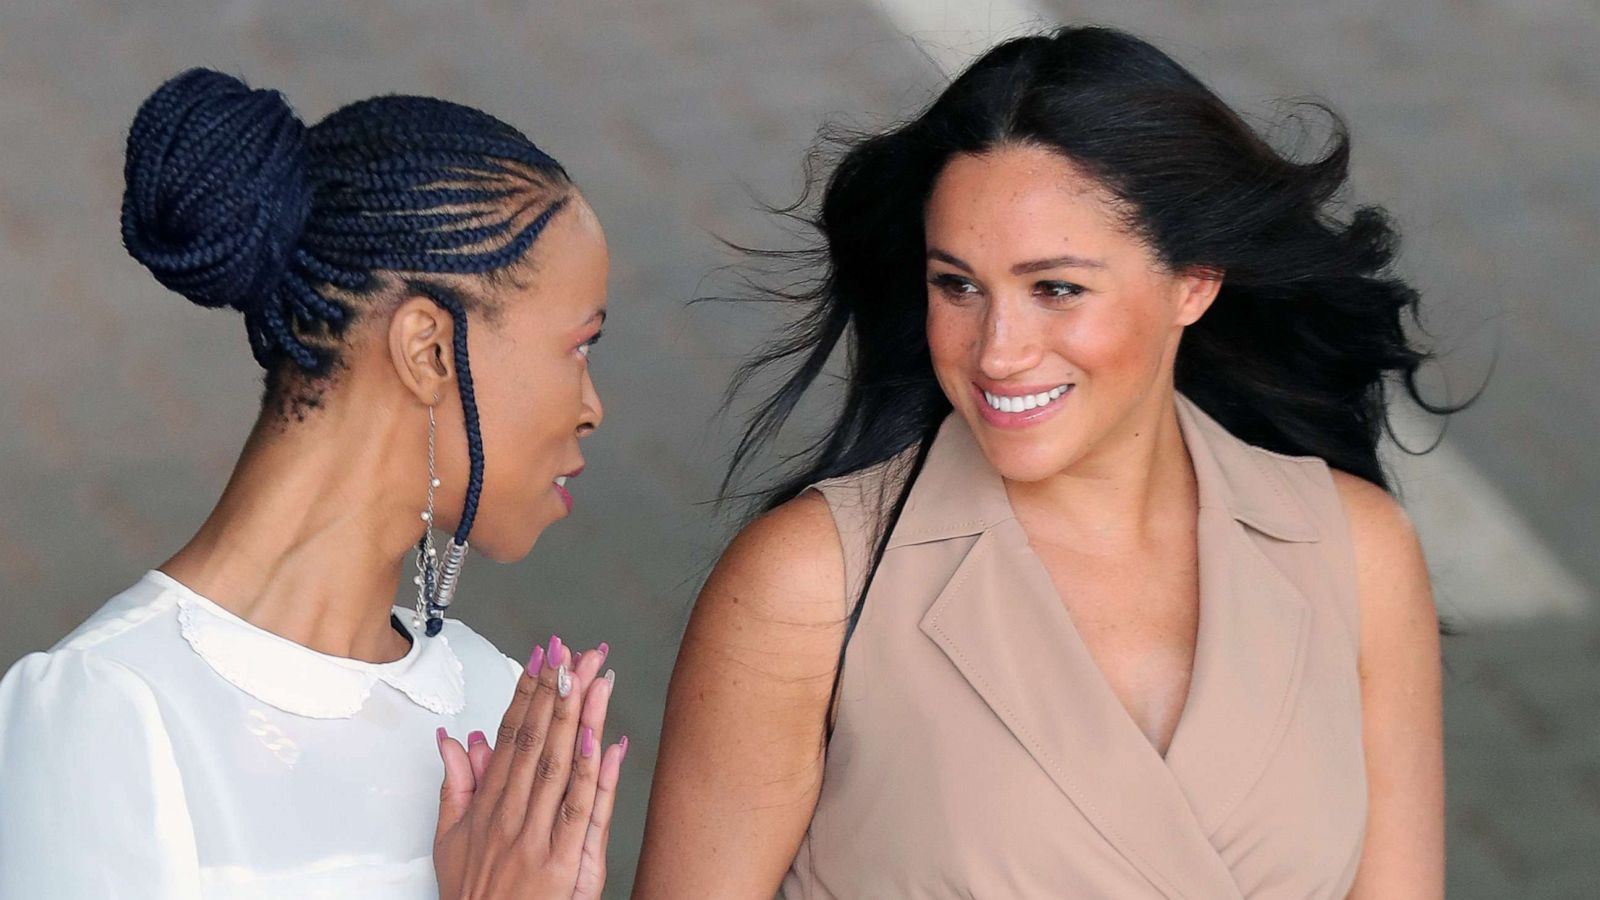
(299, 680)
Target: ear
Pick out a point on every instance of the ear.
(1197, 288)
(420, 335)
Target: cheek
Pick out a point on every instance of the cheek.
(952, 334)
(1109, 338)
(524, 417)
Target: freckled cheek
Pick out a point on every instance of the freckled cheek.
(1106, 344)
(953, 337)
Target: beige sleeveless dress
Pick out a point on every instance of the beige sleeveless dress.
(979, 752)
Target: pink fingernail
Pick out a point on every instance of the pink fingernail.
(604, 649)
(588, 742)
(535, 660)
(553, 658)
(440, 735)
(476, 737)
(624, 745)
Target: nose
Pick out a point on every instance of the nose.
(593, 412)
(1009, 343)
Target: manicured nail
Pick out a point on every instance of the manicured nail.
(563, 681)
(588, 742)
(440, 735)
(553, 658)
(624, 745)
(535, 661)
(576, 656)
(476, 737)
(604, 649)
(611, 677)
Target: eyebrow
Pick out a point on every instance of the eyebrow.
(1024, 268)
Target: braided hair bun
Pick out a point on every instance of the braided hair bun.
(217, 191)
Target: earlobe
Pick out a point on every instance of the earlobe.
(419, 347)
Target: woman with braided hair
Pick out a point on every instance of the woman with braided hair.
(253, 717)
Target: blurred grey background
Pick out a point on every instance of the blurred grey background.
(1476, 122)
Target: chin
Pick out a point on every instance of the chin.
(504, 549)
(1025, 468)
(1029, 459)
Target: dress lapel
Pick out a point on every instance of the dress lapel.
(1254, 622)
(1001, 623)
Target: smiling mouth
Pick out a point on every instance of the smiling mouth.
(1019, 403)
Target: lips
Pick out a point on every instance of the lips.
(560, 486)
(1020, 406)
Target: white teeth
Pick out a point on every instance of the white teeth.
(561, 481)
(1026, 401)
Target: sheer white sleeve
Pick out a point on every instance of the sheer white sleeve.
(91, 803)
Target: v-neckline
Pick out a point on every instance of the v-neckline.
(1104, 683)
(1201, 618)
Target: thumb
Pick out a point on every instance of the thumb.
(455, 795)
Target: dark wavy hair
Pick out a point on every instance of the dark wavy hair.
(1297, 354)
(233, 202)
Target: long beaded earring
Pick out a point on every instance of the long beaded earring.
(427, 554)
(435, 580)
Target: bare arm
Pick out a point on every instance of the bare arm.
(740, 764)
(1400, 701)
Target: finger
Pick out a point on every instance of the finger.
(479, 753)
(455, 794)
(494, 780)
(586, 666)
(532, 737)
(597, 837)
(549, 785)
(572, 819)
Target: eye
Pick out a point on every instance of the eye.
(1058, 290)
(953, 286)
(586, 346)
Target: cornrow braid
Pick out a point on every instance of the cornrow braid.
(232, 201)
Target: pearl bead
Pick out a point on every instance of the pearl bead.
(417, 580)
(435, 482)
(427, 517)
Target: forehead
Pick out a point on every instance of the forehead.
(1019, 193)
(567, 267)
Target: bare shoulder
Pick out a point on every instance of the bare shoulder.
(788, 562)
(1391, 571)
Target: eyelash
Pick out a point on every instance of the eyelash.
(586, 346)
(951, 285)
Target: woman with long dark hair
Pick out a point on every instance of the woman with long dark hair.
(1094, 587)
(253, 718)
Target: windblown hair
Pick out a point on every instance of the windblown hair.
(233, 202)
(1297, 354)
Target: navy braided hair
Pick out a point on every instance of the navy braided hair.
(232, 201)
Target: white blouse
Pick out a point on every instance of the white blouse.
(167, 748)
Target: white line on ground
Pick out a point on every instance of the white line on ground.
(1486, 562)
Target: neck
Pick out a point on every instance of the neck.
(1135, 487)
(310, 536)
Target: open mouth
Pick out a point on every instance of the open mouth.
(560, 484)
(1013, 407)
